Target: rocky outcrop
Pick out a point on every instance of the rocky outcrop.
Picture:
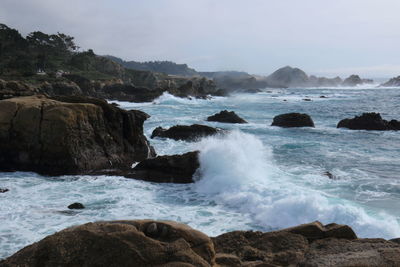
(354, 80)
(369, 121)
(10, 89)
(394, 82)
(185, 132)
(120, 243)
(167, 169)
(69, 135)
(166, 243)
(293, 120)
(227, 117)
(126, 92)
(61, 88)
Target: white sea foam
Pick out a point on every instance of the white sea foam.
(237, 171)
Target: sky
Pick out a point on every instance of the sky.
(322, 37)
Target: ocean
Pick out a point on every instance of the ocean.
(256, 177)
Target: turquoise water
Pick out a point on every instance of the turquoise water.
(257, 177)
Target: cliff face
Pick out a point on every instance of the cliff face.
(69, 135)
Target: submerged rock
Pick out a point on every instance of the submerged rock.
(69, 135)
(185, 132)
(167, 169)
(293, 120)
(76, 206)
(369, 121)
(119, 243)
(165, 243)
(227, 117)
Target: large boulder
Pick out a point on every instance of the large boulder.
(226, 116)
(293, 120)
(119, 243)
(369, 121)
(167, 169)
(69, 135)
(185, 132)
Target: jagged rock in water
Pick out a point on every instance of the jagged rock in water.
(3, 190)
(69, 135)
(226, 116)
(76, 206)
(293, 120)
(354, 80)
(185, 132)
(167, 169)
(369, 121)
(394, 82)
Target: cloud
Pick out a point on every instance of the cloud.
(253, 35)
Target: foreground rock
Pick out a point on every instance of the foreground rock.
(120, 243)
(167, 169)
(165, 243)
(293, 120)
(69, 135)
(184, 132)
(226, 116)
(369, 121)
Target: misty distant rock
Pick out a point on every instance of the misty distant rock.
(288, 77)
(354, 80)
(394, 82)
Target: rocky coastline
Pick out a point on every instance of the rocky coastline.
(167, 243)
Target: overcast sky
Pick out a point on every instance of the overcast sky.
(324, 37)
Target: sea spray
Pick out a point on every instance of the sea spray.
(238, 171)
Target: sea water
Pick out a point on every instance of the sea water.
(256, 177)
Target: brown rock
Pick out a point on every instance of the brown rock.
(119, 243)
(68, 135)
(227, 117)
(316, 230)
(359, 252)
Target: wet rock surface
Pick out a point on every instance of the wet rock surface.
(293, 120)
(227, 117)
(369, 121)
(185, 132)
(167, 169)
